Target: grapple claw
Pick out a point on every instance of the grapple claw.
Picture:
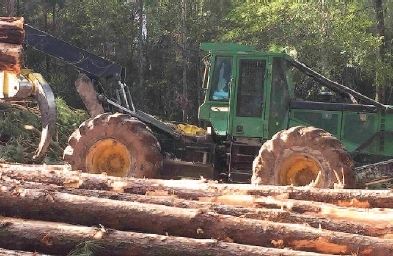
(46, 103)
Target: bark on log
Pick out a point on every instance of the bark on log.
(4, 252)
(10, 57)
(58, 238)
(85, 88)
(194, 189)
(278, 211)
(373, 216)
(196, 223)
(11, 30)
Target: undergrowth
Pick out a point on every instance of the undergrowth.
(20, 128)
(86, 248)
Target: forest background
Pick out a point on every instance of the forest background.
(158, 42)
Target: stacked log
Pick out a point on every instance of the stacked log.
(11, 39)
(49, 209)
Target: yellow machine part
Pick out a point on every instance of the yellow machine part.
(110, 156)
(299, 170)
(190, 130)
(9, 84)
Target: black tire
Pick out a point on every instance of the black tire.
(317, 151)
(138, 143)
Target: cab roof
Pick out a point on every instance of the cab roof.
(234, 49)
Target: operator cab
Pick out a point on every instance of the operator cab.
(252, 95)
(236, 81)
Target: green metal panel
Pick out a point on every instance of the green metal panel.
(278, 101)
(247, 104)
(382, 146)
(217, 114)
(328, 120)
(357, 128)
(389, 122)
(388, 136)
(215, 111)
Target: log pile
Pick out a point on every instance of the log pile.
(11, 39)
(52, 210)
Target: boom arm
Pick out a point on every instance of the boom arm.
(84, 61)
(334, 85)
(92, 65)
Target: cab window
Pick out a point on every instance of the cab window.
(221, 78)
(250, 88)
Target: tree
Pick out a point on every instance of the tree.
(346, 38)
(381, 59)
(158, 42)
(10, 6)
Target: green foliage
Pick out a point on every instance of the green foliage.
(15, 140)
(86, 248)
(68, 119)
(330, 36)
(325, 37)
(20, 131)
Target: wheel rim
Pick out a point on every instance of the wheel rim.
(110, 156)
(299, 170)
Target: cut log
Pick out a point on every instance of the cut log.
(374, 216)
(194, 223)
(85, 88)
(195, 189)
(10, 57)
(279, 211)
(4, 252)
(59, 238)
(363, 222)
(11, 30)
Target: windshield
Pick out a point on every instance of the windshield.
(220, 83)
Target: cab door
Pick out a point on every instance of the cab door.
(248, 102)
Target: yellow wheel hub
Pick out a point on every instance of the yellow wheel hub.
(298, 170)
(110, 156)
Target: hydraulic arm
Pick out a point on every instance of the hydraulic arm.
(95, 67)
(86, 62)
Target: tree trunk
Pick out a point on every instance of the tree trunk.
(11, 30)
(10, 57)
(58, 238)
(140, 48)
(184, 60)
(194, 223)
(10, 7)
(282, 214)
(193, 189)
(85, 88)
(379, 76)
